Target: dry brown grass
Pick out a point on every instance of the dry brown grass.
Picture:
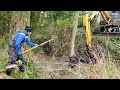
(102, 70)
(57, 68)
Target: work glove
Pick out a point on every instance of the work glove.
(20, 53)
(19, 62)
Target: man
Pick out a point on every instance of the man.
(14, 50)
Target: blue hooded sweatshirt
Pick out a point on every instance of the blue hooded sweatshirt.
(21, 38)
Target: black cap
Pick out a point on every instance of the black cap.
(28, 29)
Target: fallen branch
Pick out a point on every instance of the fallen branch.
(8, 67)
(11, 66)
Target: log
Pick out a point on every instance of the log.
(11, 66)
(8, 67)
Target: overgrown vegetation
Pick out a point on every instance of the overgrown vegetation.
(58, 24)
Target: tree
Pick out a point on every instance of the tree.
(73, 34)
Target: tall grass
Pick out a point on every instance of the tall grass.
(105, 69)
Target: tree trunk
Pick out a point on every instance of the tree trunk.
(9, 24)
(28, 18)
(17, 21)
(73, 34)
(22, 20)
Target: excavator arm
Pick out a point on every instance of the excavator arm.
(86, 26)
(106, 28)
(88, 54)
(106, 17)
(86, 23)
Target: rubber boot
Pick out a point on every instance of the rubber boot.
(9, 71)
(22, 68)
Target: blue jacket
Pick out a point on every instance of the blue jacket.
(20, 39)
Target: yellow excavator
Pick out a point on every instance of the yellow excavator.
(108, 26)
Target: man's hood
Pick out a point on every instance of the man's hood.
(25, 32)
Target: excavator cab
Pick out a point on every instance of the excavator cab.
(109, 24)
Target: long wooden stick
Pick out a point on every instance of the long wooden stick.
(38, 45)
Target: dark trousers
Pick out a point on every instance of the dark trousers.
(13, 56)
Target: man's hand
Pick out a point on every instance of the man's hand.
(36, 44)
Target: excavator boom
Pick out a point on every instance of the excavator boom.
(105, 15)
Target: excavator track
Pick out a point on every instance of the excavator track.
(112, 30)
